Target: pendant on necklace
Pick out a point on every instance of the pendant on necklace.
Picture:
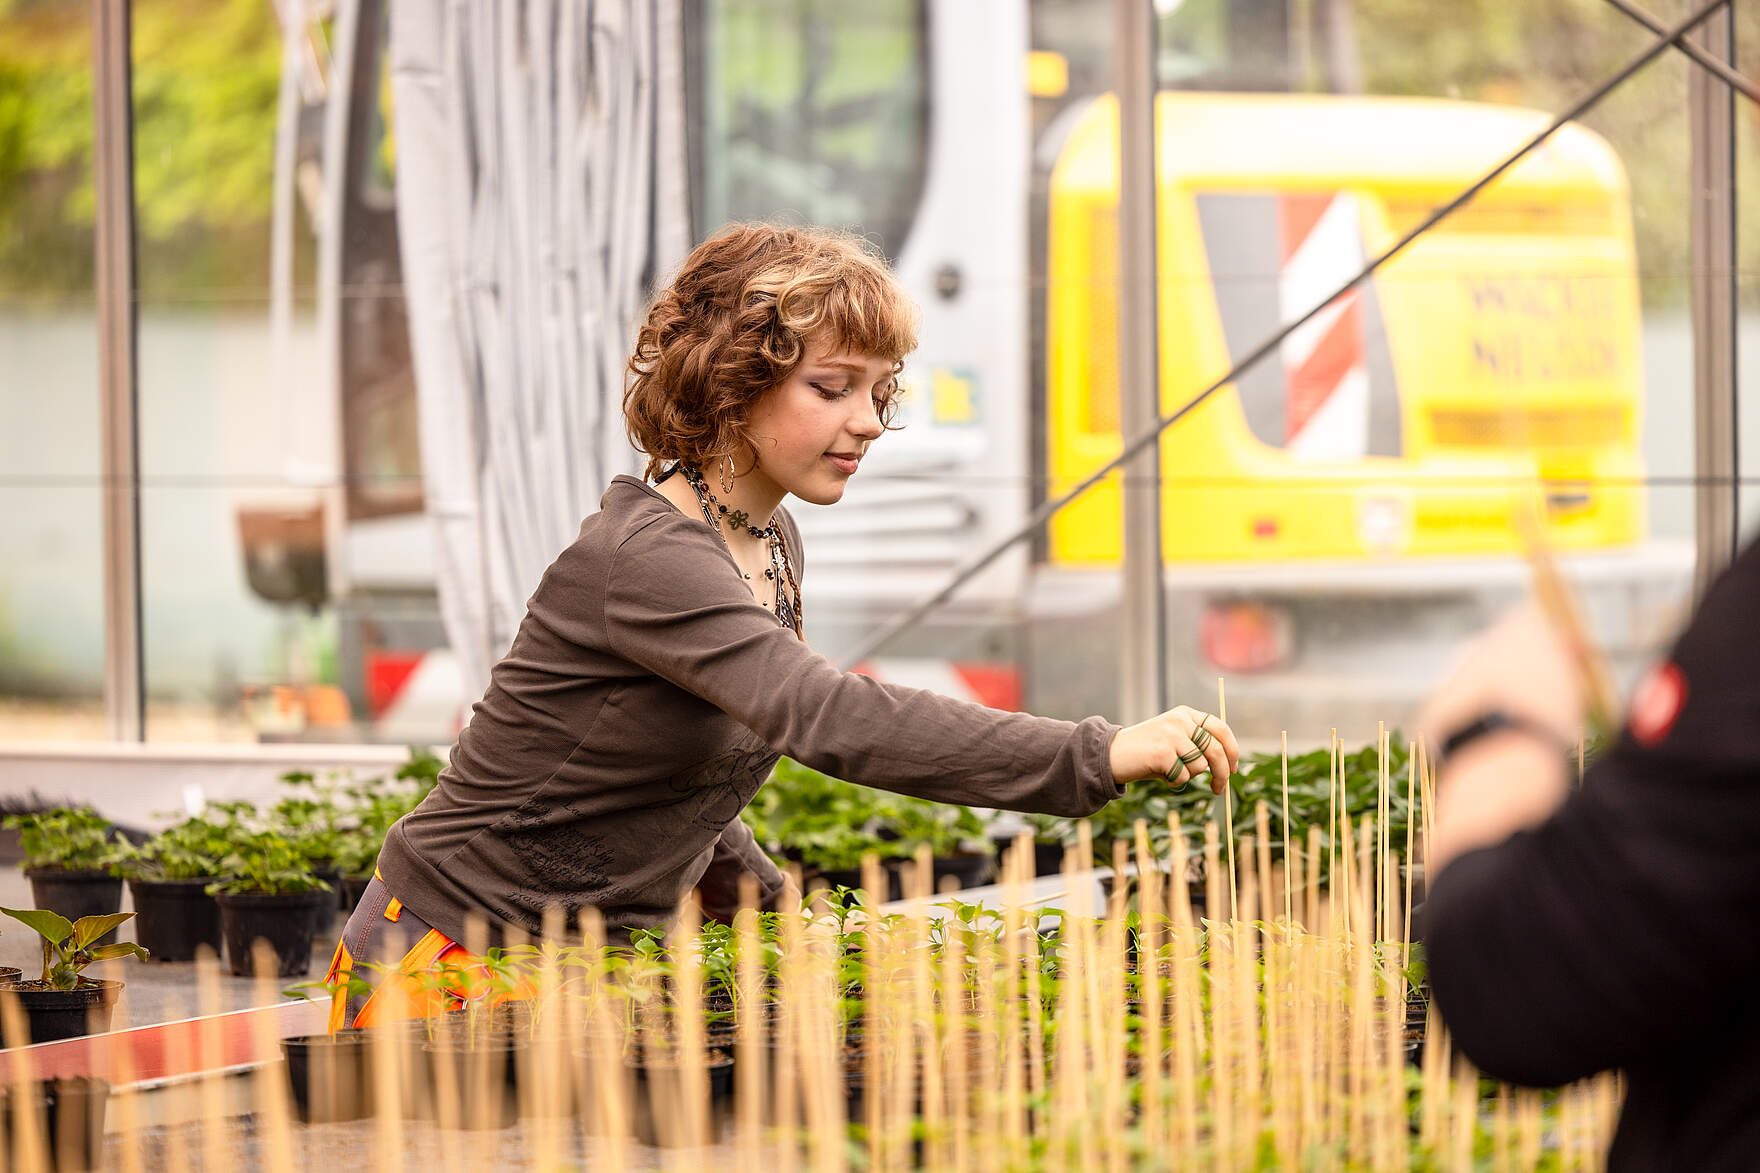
(737, 518)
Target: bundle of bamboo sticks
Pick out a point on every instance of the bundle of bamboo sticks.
(1120, 1031)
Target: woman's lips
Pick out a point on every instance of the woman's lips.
(844, 464)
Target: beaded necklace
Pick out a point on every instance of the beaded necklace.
(781, 569)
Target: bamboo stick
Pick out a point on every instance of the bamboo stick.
(274, 1128)
(1288, 880)
(1228, 812)
(749, 1057)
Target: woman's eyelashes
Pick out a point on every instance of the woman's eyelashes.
(832, 393)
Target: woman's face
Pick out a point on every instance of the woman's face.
(813, 429)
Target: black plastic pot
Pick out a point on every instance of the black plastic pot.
(1047, 859)
(52, 1014)
(175, 918)
(287, 920)
(474, 1086)
(74, 894)
(852, 878)
(657, 1110)
(353, 888)
(331, 1076)
(70, 1120)
(970, 870)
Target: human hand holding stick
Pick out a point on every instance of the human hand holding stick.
(1181, 745)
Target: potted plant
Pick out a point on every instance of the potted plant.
(64, 1004)
(168, 878)
(313, 824)
(473, 1053)
(71, 860)
(330, 1074)
(825, 824)
(955, 835)
(270, 892)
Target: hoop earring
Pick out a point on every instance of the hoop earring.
(727, 474)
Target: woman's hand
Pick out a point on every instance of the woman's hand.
(1520, 665)
(1155, 748)
(1510, 780)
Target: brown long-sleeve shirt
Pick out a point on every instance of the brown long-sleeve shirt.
(644, 700)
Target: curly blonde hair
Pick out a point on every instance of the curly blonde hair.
(735, 323)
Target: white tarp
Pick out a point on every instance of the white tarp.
(541, 189)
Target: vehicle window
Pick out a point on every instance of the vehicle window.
(811, 111)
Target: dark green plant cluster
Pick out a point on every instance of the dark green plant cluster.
(1312, 788)
(829, 824)
(71, 838)
(267, 862)
(193, 849)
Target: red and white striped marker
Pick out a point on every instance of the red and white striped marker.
(1325, 367)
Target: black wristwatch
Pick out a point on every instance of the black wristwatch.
(1493, 721)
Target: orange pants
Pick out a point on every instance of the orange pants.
(432, 975)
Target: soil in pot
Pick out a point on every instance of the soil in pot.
(54, 1014)
(331, 1076)
(70, 1120)
(175, 918)
(287, 920)
(74, 894)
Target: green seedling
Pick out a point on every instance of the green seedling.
(70, 946)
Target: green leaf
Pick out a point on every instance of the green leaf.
(119, 949)
(51, 926)
(89, 928)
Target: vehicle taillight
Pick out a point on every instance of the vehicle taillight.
(1245, 637)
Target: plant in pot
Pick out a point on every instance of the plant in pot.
(72, 861)
(825, 824)
(168, 877)
(330, 1074)
(475, 1053)
(372, 807)
(270, 891)
(955, 835)
(314, 827)
(63, 1003)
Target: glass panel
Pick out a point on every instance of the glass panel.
(812, 111)
(237, 448)
(51, 554)
(1748, 274)
(1347, 510)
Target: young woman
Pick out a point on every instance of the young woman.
(660, 670)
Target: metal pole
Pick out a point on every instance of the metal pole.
(1142, 635)
(113, 179)
(1712, 114)
(1685, 45)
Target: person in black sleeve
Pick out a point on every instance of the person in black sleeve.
(1615, 926)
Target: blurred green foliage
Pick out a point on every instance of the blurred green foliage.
(206, 75)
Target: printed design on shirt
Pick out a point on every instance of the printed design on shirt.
(562, 856)
(719, 788)
(1657, 704)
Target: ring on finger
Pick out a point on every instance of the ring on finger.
(1196, 755)
(1201, 738)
